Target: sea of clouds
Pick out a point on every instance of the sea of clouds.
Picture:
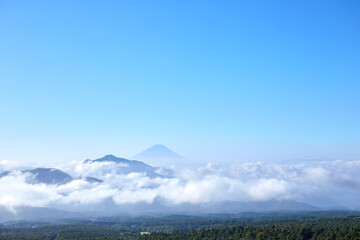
(326, 184)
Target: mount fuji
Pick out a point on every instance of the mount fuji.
(158, 154)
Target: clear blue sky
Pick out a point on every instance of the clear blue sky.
(220, 81)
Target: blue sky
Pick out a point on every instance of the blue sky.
(220, 81)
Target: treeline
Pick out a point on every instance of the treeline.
(85, 232)
(68, 232)
(319, 229)
(42, 233)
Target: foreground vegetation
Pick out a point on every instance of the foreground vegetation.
(329, 229)
(272, 226)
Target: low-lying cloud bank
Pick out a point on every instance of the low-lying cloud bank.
(323, 184)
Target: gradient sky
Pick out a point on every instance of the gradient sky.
(220, 81)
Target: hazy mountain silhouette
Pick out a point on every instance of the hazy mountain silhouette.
(159, 154)
(51, 176)
(3, 174)
(157, 151)
(158, 207)
(45, 175)
(93, 180)
(36, 213)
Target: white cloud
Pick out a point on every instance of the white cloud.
(15, 192)
(267, 189)
(211, 184)
(316, 174)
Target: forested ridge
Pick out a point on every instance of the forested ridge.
(329, 229)
(281, 228)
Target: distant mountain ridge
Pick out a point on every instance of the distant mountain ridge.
(51, 176)
(108, 167)
(125, 166)
(36, 213)
(109, 158)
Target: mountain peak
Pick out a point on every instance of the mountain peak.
(50, 176)
(159, 146)
(157, 151)
(124, 166)
(109, 158)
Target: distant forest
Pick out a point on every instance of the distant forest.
(326, 229)
(276, 227)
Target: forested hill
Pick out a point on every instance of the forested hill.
(295, 229)
(329, 229)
